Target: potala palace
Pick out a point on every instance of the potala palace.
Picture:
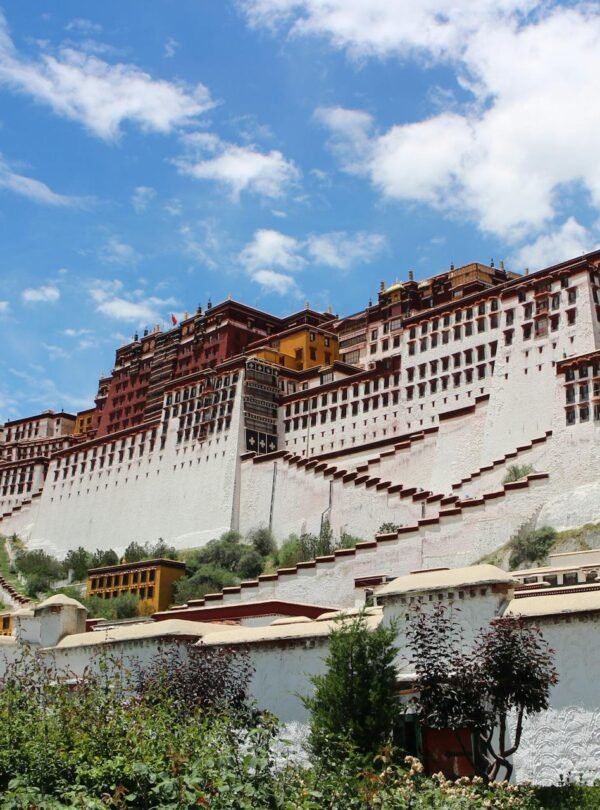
(406, 413)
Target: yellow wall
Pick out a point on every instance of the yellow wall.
(5, 624)
(152, 584)
(297, 351)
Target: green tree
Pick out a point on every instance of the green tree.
(79, 562)
(101, 559)
(250, 565)
(205, 579)
(355, 701)
(263, 541)
(530, 546)
(39, 569)
(124, 606)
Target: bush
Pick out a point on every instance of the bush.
(355, 701)
(389, 528)
(530, 546)
(102, 559)
(39, 569)
(79, 562)
(514, 472)
(135, 552)
(124, 606)
(177, 745)
(263, 541)
(205, 579)
(250, 565)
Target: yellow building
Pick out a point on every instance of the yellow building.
(84, 421)
(299, 348)
(152, 581)
(5, 624)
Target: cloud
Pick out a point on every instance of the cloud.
(100, 96)
(238, 168)
(4, 308)
(569, 240)
(117, 252)
(33, 189)
(113, 301)
(55, 352)
(383, 28)
(142, 196)
(170, 49)
(203, 243)
(45, 294)
(342, 250)
(270, 248)
(526, 131)
(70, 332)
(279, 283)
(350, 134)
(83, 26)
(271, 256)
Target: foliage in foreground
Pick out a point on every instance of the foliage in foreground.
(355, 699)
(508, 670)
(183, 735)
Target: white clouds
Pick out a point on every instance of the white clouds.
(98, 95)
(33, 189)
(271, 255)
(270, 248)
(343, 250)
(350, 134)
(46, 294)
(55, 352)
(279, 283)
(83, 26)
(238, 168)
(115, 251)
(566, 242)
(4, 308)
(142, 197)
(527, 131)
(113, 301)
(170, 49)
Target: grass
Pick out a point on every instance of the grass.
(5, 569)
(579, 538)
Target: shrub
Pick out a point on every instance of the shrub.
(124, 606)
(530, 546)
(39, 569)
(135, 552)
(355, 700)
(79, 562)
(101, 559)
(205, 579)
(389, 528)
(509, 671)
(263, 541)
(250, 565)
(514, 472)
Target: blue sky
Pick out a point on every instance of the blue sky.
(154, 155)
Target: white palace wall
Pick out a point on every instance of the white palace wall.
(565, 740)
(184, 493)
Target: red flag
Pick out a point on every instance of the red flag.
(173, 320)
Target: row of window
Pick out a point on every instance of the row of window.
(343, 394)
(123, 580)
(331, 415)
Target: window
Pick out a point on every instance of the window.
(571, 316)
(374, 334)
(572, 295)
